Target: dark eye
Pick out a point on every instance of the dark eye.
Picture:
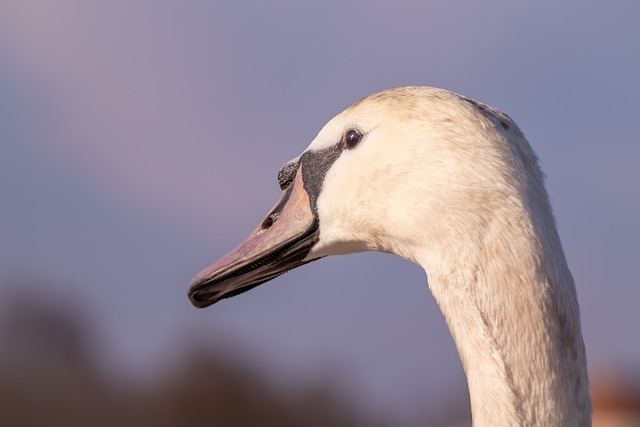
(351, 138)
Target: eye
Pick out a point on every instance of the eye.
(351, 138)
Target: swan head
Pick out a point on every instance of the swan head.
(414, 171)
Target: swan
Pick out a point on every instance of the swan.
(453, 185)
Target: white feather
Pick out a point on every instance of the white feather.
(453, 185)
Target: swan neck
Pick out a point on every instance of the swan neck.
(513, 313)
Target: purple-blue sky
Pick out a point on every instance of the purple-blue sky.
(140, 140)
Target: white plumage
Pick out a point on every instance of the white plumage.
(452, 185)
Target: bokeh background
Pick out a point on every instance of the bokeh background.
(140, 140)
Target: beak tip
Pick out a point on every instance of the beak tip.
(199, 301)
(197, 292)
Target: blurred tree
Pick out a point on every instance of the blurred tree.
(47, 377)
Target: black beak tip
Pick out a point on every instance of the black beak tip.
(200, 295)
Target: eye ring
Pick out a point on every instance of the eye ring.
(351, 138)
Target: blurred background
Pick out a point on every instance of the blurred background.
(140, 140)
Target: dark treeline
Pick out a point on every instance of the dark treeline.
(48, 378)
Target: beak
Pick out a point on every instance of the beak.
(278, 245)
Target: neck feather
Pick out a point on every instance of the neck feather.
(511, 305)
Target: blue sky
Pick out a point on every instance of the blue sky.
(139, 141)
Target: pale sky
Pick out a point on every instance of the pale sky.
(140, 141)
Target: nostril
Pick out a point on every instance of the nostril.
(268, 222)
